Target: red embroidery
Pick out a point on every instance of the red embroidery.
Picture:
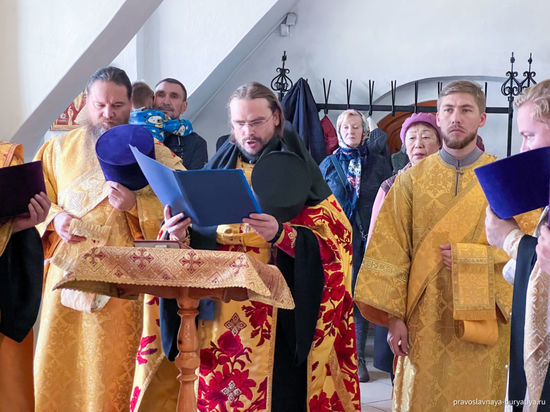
(287, 242)
(322, 403)
(235, 324)
(218, 389)
(240, 264)
(154, 301)
(145, 341)
(336, 307)
(135, 397)
(226, 373)
(93, 256)
(141, 257)
(225, 387)
(192, 262)
(258, 315)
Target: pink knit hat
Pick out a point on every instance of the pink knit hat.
(427, 118)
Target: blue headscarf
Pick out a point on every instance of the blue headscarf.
(351, 157)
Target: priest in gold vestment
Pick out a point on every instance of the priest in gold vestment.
(87, 343)
(21, 266)
(430, 276)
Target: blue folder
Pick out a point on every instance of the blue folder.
(209, 197)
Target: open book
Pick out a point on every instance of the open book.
(209, 197)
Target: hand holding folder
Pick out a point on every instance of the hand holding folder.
(209, 197)
(18, 185)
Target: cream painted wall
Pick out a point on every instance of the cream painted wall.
(39, 41)
(399, 40)
(201, 43)
(49, 50)
(188, 38)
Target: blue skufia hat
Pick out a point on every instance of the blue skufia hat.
(517, 184)
(117, 161)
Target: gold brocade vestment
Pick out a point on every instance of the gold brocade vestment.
(403, 275)
(16, 383)
(85, 361)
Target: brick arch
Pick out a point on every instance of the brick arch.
(392, 126)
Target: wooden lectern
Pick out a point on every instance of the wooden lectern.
(187, 275)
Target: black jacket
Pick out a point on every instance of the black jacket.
(191, 149)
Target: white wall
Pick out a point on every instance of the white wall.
(201, 43)
(49, 49)
(213, 47)
(39, 41)
(399, 40)
(188, 38)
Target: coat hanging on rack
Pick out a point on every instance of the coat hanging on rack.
(300, 109)
(331, 137)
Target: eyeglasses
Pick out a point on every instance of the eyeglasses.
(252, 124)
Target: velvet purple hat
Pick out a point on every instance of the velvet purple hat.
(517, 184)
(117, 161)
(428, 118)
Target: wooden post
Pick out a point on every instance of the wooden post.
(188, 359)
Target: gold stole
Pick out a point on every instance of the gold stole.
(78, 200)
(473, 264)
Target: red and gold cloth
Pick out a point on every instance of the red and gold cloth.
(237, 348)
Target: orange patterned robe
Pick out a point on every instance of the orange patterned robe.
(16, 382)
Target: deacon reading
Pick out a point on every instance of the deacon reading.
(253, 356)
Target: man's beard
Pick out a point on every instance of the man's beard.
(94, 131)
(243, 150)
(459, 144)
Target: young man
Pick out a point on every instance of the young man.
(429, 275)
(529, 269)
(253, 356)
(171, 98)
(85, 361)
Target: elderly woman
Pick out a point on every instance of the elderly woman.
(354, 173)
(421, 137)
